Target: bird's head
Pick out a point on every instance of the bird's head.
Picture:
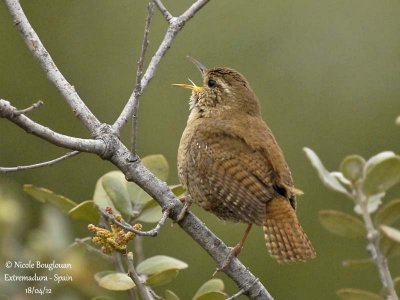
(224, 90)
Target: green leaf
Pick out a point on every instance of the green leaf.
(212, 296)
(170, 295)
(158, 165)
(177, 189)
(389, 213)
(159, 263)
(398, 120)
(389, 247)
(101, 298)
(100, 196)
(381, 173)
(356, 294)
(114, 184)
(396, 282)
(213, 286)
(342, 224)
(352, 167)
(115, 281)
(85, 211)
(373, 204)
(45, 195)
(151, 213)
(357, 263)
(391, 233)
(330, 181)
(162, 278)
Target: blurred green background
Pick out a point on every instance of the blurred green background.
(327, 74)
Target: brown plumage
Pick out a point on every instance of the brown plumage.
(231, 165)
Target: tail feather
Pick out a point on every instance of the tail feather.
(286, 240)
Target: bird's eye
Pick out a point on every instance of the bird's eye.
(211, 83)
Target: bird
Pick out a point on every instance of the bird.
(231, 165)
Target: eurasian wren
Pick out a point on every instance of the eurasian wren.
(231, 165)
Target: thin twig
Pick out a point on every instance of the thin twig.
(168, 16)
(39, 165)
(119, 266)
(29, 109)
(128, 227)
(138, 246)
(85, 145)
(139, 73)
(175, 26)
(144, 292)
(82, 242)
(67, 90)
(373, 238)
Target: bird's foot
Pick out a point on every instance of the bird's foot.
(187, 202)
(234, 252)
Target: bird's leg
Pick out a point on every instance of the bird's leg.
(235, 251)
(187, 202)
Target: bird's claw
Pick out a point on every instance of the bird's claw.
(234, 252)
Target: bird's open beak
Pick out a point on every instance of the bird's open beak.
(193, 86)
(198, 64)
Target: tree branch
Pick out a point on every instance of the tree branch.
(39, 165)
(373, 238)
(67, 90)
(139, 72)
(28, 109)
(167, 15)
(175, 26)
(128, 227)
(144, 292)
(85, 145)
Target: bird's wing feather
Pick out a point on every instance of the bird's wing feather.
(230, 178)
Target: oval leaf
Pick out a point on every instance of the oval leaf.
(212, 296)
(170, 295)
(391, 233)
(85, 211)
(352, 167)
(213, 285)
(178, 189)
(151, 213)
(116, 282)
(342, 224)
(158, 165)
(101, 274)
(381, 174)
(159, 263)
(330, 181)
(374, 202)
(162, 278)
(100, 196)
(114, 183)
(389, 213)
(389, 247)
(356, 294)
(396, 282)
(45, 195)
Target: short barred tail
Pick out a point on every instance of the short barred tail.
(286, 240)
